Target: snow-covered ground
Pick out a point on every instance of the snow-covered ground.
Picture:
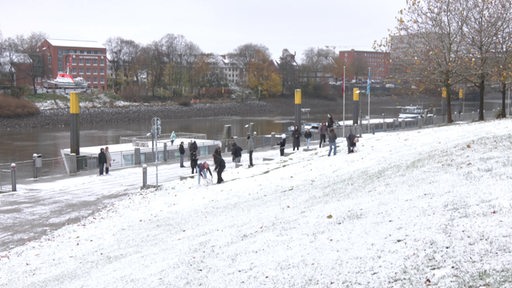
(422, 208)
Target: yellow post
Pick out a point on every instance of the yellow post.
(74, 105)
(298, 96)
(298, 110)
(355, 96)
(74, 110)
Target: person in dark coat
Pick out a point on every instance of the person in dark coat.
(181, 149)
(282, 144)
(250, 148)
(296, 138)
(323, 134)
(330, 121)
(102, 160)
(308, 135)
(193, 156)
(220, 164)
(351, 142)
(236, 152)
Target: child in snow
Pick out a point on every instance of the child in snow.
(282, 144)
(202, 168)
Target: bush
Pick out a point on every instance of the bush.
(500, 114)
(132, 94)
(19, 92)
(16, 107)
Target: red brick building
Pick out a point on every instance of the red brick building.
(358, 62)
(86, 59)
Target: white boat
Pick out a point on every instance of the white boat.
(313, 127)
(65, 80)
(408, 112)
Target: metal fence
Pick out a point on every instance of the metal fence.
(51, 168)
(59, 167)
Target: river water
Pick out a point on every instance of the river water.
(18, 146)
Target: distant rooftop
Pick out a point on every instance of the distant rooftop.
(75, 43)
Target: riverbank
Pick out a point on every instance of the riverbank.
(94, 115)
(101, 114)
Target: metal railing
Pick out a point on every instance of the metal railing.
(50, 168)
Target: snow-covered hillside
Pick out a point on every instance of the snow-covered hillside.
(423, 208)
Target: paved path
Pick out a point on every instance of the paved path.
(44, 206)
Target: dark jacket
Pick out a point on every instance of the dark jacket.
(236, 151)
(332, 136)
(330, 122)
(351, 140)
(193, 147)
(181, 149)
(308, 134)
(323, 129)
(282, 143)
(102, 158)
(296, 134)
(219, 162)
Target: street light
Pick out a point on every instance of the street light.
(343, 92)
(156, 130)
(368, 92)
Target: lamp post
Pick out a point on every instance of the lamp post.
(508, 101)
(368, 92)
(343, 92)
(156, 129)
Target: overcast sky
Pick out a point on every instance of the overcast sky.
(217, 26)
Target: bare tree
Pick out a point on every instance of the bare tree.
(122, 56)
(289, 72)
(503, 58)
(21, 49)
(178, 58)
(487, 21)
(318, 64)
(433, 31)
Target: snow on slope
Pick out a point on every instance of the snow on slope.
(420, 208)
